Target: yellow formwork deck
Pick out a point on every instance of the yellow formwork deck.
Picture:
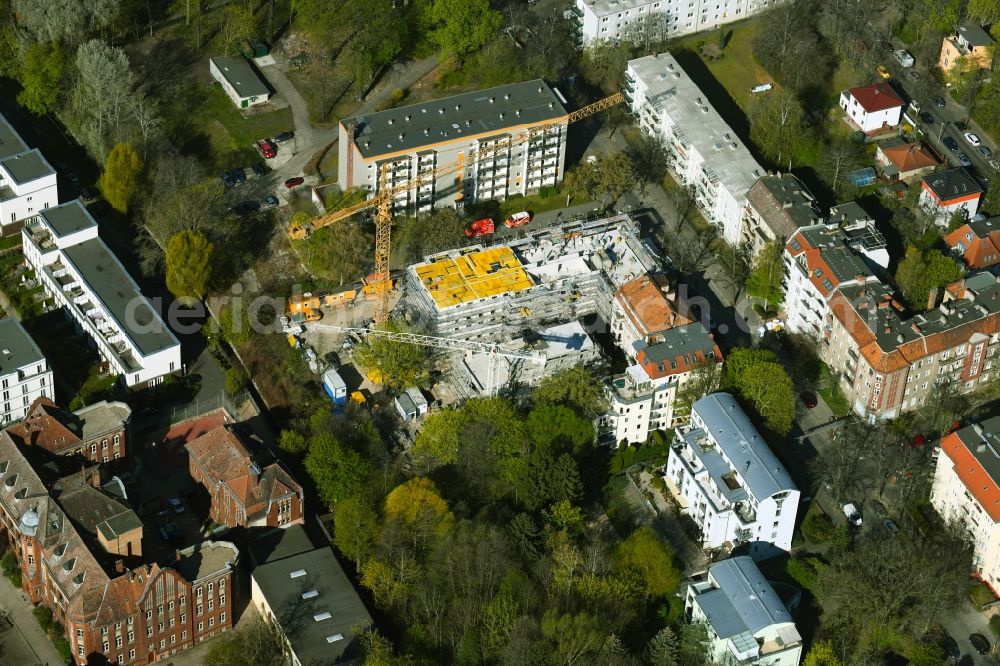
(454, 280)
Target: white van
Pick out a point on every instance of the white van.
(852, 513)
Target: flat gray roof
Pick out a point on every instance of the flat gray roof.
(68, 218)
(28, 166)
(670, 90)
(120, 296)
(278, 544)
(743, 602)
(17, 348)
(315, 604)
(974, 34)
(952, 183)
(746, 450)
(471, 114)
(241, 76)
(101, 417)
(205, 558)
(11, 142)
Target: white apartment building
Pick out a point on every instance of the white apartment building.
(24, 373)
(422, 138)
(747, 621)
(966, 489)
(27, 181)
(644, 398)
(725, 477)
(84, 277)
(637, 21)
(821, 258)
(704, 151)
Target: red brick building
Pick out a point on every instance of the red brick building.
(115, 609)
(98, 432)
(244, 493)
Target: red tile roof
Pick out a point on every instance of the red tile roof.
(876, 97)
(909, 157)
(44, 426)
(971, 472)
(647, 306)
(978, 251)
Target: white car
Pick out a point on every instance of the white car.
(972, 138)
(852, 513)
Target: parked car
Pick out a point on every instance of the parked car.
(913, 75)
(964, 160)
(267, 149)
(950, 143)
(972, 138)
(890, 526)
(985, 152)
(246, 207)
(284, 136)
(176, 504)
(883, 72)
(294, 182)
(915, 105)
(980, 643)
(270, 201)
(808, 399)
(927, 118)
(853, 514)
(939, 101)
(227, 179)
(240, 176)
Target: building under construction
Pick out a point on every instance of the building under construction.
(550, 277)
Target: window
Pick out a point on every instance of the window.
(163, 643)
(173, 639)
(159, 626)
(183, 618)
(197, 592)
(171, 623)
(211, 586)
(118, 642)
(183, 599)
(79, 650)
(117, 439)
(222, 600)
(131, 637)
(149, 632)
(105, 647)
(131, 654)
(93, 448)
(149, 615)
(201, 626)
(211, 604)
(222, 618)
(199, 610)
(211, 622)
(104, 631)
(184, 635)
(170, 606)
(79, 633)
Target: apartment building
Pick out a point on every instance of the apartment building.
(726, 479)
(25, 375)
(704, 151)
(977, 243)
(295, 581)
(645, 397)
(945, 193)
(84, 278)
(821, 258)
(777, 206)
(83, 566)
(418, 139)
(970, 43)
(966, 490)
(244, 491)
(27, 181)
(747, 621)
(890, 361)
(98, 432)
(644, 21)
(643, 307)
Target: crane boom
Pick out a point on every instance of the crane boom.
(387, 194)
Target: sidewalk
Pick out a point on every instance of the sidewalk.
(24, 643)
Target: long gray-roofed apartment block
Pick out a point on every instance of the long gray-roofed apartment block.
(420, 138)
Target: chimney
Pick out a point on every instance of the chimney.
(119, 566)
(932, 298)
(95, 476)
(178, 555)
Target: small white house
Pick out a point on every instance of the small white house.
(411, 404)
(748, 622)
(872, 108)
(240, 80)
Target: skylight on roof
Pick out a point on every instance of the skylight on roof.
(319, 617)
(310, 594)
(335, 638)
(298, 573)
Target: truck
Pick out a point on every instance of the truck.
(335, 387)
(517, 220)
(481, 228)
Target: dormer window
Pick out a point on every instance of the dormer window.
(3, 466)
(78, 579)
(69, 565)
(22, 493)
(9, 483)
(60, 550)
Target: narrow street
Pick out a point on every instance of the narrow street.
(22, 640)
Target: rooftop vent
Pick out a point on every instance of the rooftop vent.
(319, 617)
(298, 573)
(335, 638)
(310, 594)
(392, 120)
(441, 110)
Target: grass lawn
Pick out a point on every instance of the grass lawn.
(217, 131)
(327, 166)
(830, 390)
(736, 70)
(980, 595)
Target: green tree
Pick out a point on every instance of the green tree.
(259, 642)
(390, 362)
(776, 121)
(291, 441)
(463, 26)
(821, 654)
(758, 378)
(919, 272)
(645, 553)
(575, 387)
(337, 470)
(661, 650)
(490, 420)
(573, 637)
(765, 279)
(355, 526)
(693, 646)
(340, 253)
(554, 427)
(120, 179)
(41, 77)
(986, 12)
(189, 265)
(605, 178)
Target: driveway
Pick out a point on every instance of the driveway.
(968, 621)
(22, 641)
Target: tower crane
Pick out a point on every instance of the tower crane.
(493, 350)
(382, 201)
